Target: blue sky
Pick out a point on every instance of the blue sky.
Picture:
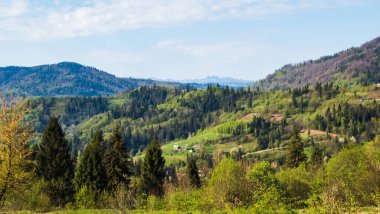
(182, 39)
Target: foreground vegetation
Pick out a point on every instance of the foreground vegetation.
(154, 149)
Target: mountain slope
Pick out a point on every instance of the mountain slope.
(223, 81)
(355, 65)
(66, 79)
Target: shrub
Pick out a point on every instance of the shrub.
(85, 198)
(349, 173)
(296, 184)
(229, 186)
(191, 200)
(267, 196)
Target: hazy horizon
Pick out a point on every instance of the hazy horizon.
(183, 40)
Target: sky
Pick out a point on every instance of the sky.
(182, 39)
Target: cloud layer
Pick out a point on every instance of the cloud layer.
(66, 19)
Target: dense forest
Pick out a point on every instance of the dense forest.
(68, 79)
(276, 147)
(354, 65)
(152, 148)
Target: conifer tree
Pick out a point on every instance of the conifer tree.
(152, 171)
(192, 172)
(316, 155)
(54, 164)
(91, 171)
(295, 155)
(117, 161)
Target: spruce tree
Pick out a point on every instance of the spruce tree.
(91, 171)
(192, 172)
(152, 171)
(54, 164)
(316, 155)
(117, 161)
(295, 155)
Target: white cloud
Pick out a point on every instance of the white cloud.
(226, 51)
(108, 16)
(13, 8)
(111, 57)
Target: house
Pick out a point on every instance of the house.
(365, 99)
(353, 139)
(176, 148)
(197, 148)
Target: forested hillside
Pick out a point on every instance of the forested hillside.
(354, 65)
(209, 143)
(67, 79)
(309, 149)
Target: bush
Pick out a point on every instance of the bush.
(229, 186)
(188, 201)
(296, 184)
(349, 173)
(85, 198)
(29, 197)
(269, 201)
(155, 203)
(267, 196)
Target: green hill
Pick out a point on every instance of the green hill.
(354, 65)
(66, 79)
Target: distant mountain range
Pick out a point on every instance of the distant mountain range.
(354, 65)
(73, 79)
(223, 81)
(67, 79)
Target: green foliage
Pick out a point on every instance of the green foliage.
(269, 201)
(349, 173)
(295, 155)
(267, 196)
(152, 171)
(192, 172)
(189, 201)
(36, 199)
(316, 155)
(352, 120)
(117, 161)
(297, 185)
(262, 176)
(85, 198)
(91, 171)
(54, 164)
(229, 185)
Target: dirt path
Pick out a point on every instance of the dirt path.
(314, 132)
(266, 150)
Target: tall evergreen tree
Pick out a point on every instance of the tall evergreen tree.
(295, 155)
(91, 171)
(117, 161)
(54, 164)
(192, 172)
(152, 171)
(316, 155)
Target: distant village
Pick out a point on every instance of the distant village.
(190, 149)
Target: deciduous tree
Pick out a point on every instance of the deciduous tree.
(15, 134)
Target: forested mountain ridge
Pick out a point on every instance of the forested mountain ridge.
(283, 148)
(354, 65)
(66, 79)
